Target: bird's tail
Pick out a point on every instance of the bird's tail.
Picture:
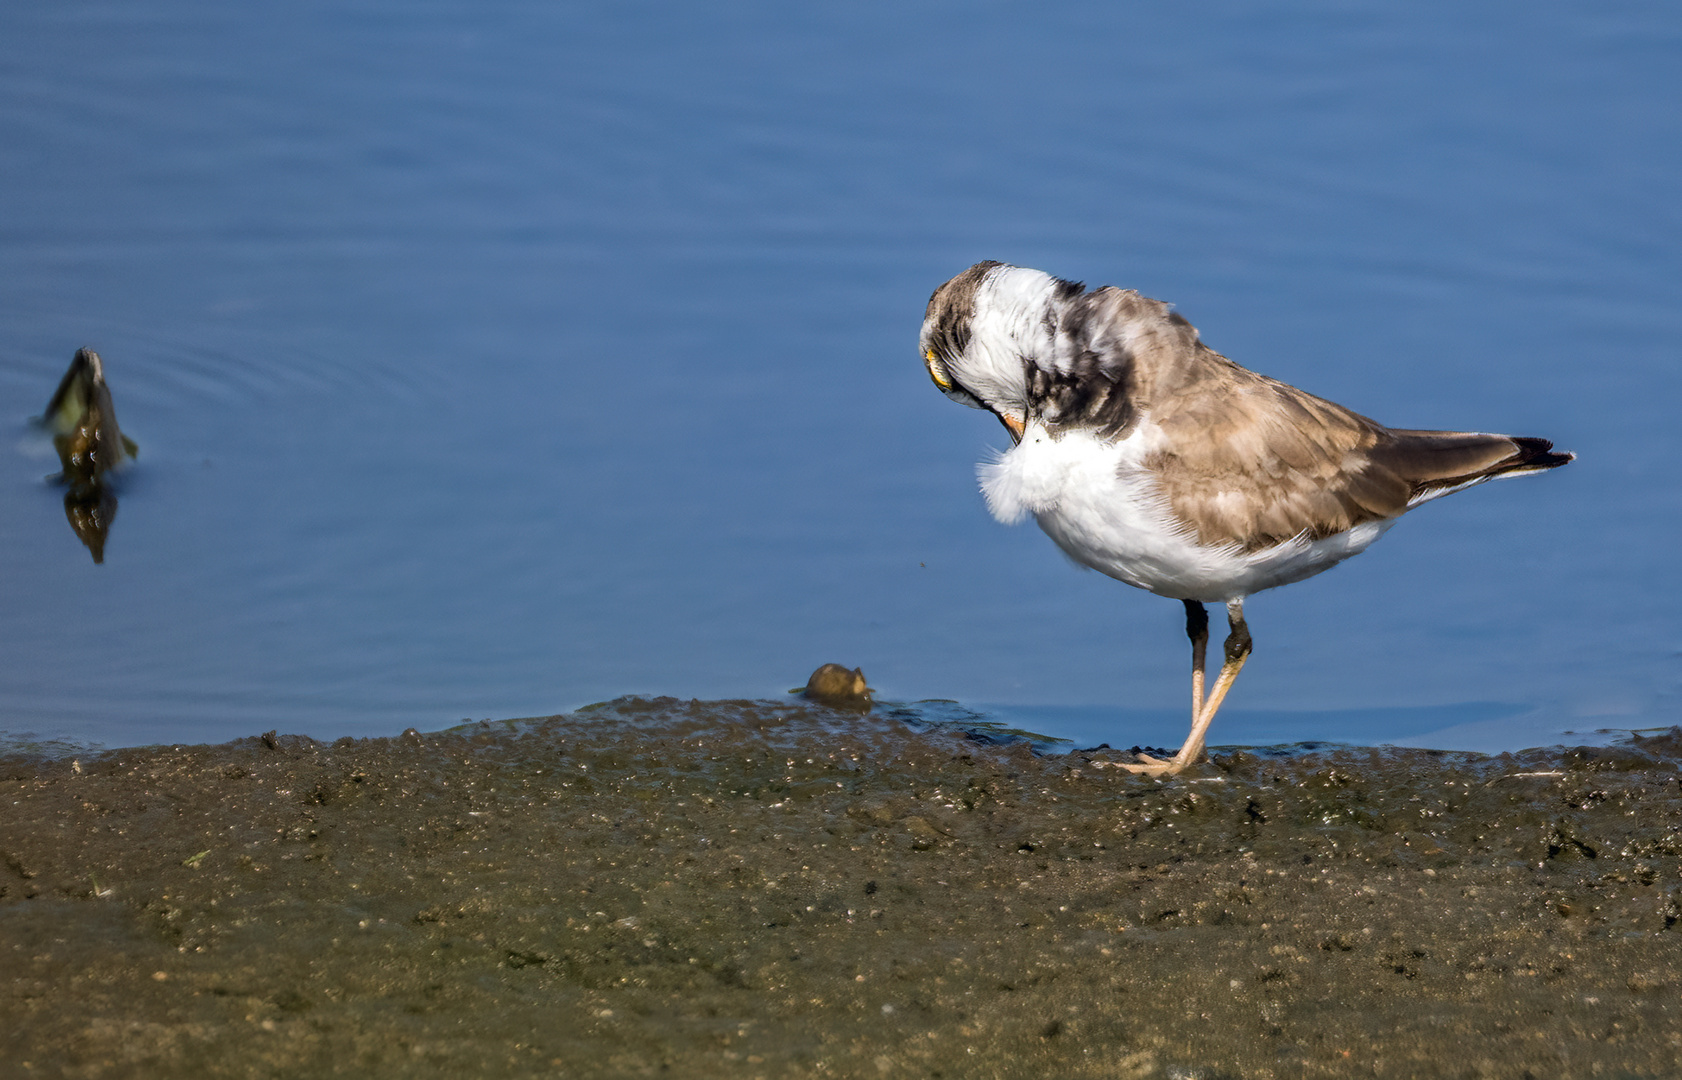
(1437, 463)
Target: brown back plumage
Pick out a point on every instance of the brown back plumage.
(1250, 461)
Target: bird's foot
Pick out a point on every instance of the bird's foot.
(1152, 766)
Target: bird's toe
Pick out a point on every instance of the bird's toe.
(1151, 766)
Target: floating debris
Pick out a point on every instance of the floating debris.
(83, 422)
(839, 688)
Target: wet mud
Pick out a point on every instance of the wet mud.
(665, 888)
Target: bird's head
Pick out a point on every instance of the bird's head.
(982, 331)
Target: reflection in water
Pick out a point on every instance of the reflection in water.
(90, 444)
(91, 508)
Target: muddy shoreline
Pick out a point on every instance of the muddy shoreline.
(742, 889)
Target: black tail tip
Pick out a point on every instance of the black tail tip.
(1534, 454)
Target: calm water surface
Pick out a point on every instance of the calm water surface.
(488, 362)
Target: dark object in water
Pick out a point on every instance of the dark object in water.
(83, 422)
(839, 688)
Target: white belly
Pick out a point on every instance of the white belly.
(1099, 504)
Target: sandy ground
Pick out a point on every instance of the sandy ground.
(730, 889)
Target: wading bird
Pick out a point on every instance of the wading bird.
(1151, 458)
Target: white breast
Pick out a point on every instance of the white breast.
(1098, 502)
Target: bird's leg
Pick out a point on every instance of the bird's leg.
(1197, 628)
(1237, 651)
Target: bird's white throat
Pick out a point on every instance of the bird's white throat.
(1032, 476)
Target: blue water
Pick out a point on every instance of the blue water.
(488, 360)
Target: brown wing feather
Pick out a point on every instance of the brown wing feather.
(1248, 460)
(1253, 462)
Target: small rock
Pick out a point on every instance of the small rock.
(839, 688)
